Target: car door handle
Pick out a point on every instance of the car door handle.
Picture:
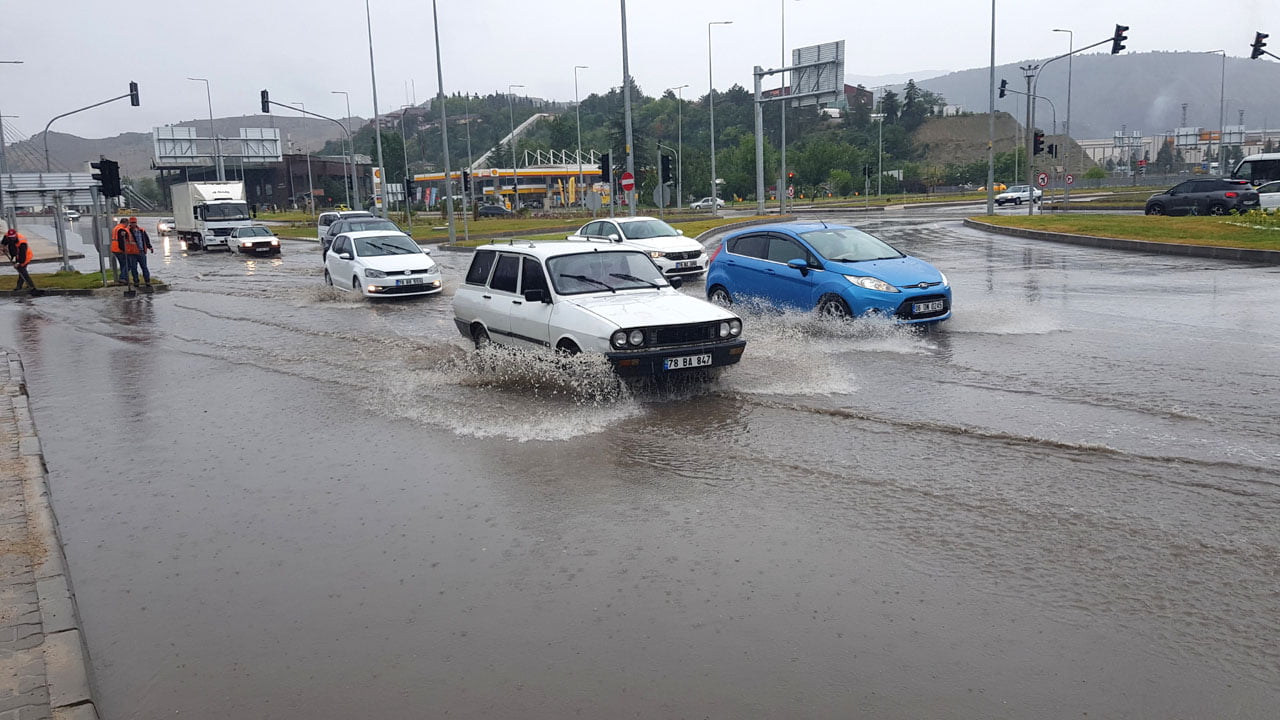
(516, 302)
(771, 271)
(487, 297)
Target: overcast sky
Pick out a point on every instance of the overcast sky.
(301, 50)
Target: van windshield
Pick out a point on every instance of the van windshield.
(226, 211)
(1258, 171)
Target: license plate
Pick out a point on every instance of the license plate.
(686, 361)
(410, 281)
(687, 264)
(926, 307)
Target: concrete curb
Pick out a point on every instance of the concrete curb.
(1270, 257)
(86, 292)
(66, 657)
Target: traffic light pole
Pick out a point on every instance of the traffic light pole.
(47, 166)
(759, 74)
(269, 101)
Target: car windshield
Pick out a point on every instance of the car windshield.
(254, 232)
(603, 272)
(848, 245)
(642, 229)
(369, 224)
(386, 245)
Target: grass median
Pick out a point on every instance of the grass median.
(1255, 230)
(69, 281)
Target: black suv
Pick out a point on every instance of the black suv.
(1204, 196)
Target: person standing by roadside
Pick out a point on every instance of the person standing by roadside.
(119, 239)
(18, 249)
(138, 248)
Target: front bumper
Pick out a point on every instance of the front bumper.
(682, 267)
(650, 362)
(259, 247)
(388, 286)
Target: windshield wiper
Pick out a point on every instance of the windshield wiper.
(586, 279)
(633, 278)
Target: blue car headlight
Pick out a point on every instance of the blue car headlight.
(944, 279)
(872, 283)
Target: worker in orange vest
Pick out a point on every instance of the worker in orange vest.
(15, 244)
(120, 238)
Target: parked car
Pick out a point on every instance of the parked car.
(353, 224)
(1269, 195)
(379, 263)
(1019, 194)
(670, 250)
(492, 210)
(164, 226)
(326, 219)
(1204, 196)
(706, 203)
(607, 299)
(70, 214)
(257, 239)
(838, 270)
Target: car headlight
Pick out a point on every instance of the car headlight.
(636, 337)
(275, 241)
(656, 254)
(944, 279)
(724, 329)
(871, 283)
(371, 273)
(246, 243)
(735, 327)
(619, 339)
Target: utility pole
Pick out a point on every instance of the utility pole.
(377, 126)
(1030, 72)
(991, 121)
(626, 104)
(444, 138)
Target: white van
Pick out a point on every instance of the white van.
(1258, 169)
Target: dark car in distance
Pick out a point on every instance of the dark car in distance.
(353, 224)
(492, 211)
(1204, 196)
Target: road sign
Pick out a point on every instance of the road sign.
(594, 201)
(1070, 178)
(791, 191)
(661, 195)
(1042, 179)
(627, 181)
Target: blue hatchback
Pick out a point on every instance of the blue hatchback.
(839, 270)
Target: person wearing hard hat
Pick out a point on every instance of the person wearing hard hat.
(15, 244)
(119, 239)
(136, 248)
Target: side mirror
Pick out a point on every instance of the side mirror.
(426, 251)
(536, 296)
(676, 283)
(679, 231)
(613, 237)
(344, 256)
(799, 264)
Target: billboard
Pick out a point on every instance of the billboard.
(821, 80)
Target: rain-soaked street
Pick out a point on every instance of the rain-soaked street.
(282, 501)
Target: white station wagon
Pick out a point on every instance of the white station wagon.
(672, 252)
(594, 298)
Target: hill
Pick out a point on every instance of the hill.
(961, 139)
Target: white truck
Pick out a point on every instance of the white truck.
(206, 213)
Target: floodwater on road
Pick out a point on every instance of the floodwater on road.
(283, 501)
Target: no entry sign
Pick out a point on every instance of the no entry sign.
(627, 181)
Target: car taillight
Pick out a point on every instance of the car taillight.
(714, 253)
(1231, 194)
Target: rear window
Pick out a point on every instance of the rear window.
(481, 264)
(506, 274)
(756, 246)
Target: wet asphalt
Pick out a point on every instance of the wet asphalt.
(282, 501)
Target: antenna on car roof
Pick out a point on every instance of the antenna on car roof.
(824, 224)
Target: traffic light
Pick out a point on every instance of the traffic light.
(606, 167)
(466, 181)
(1004, 84)
(108, 176)
(1053, 150)
(1117, 42)
(791, 175)
(666, 170)
(1038, 145)
(133, 94)
(408, 189)
(1259, 43)
(266, 102)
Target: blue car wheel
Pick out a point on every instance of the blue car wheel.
(833, 306)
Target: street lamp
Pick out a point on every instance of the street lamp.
(879, 117)
(311, 191)
(1222, 89)
(351, 143)
(1066, 126)
(515, 172)
(404, 146)
(377, 128)
(4, 165)
(577, 111)
(711, 104)
(444, 136)
(217, 144)
(782, 157)
(679, 143)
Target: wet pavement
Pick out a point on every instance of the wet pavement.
(280, 500)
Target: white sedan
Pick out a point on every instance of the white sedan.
(1269, 195)
(377, 263)
(707, 203)
(1018, 194)
(670, 250)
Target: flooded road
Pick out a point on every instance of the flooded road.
(283, 501)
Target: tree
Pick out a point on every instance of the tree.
(890, 106)
(840, 182)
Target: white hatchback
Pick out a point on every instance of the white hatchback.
(671, 251)
(593, 298)
(377, 263)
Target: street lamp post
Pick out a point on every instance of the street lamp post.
(311, 192)
(879, 118)
(351, 145)
(467, 192)
(4, 165)
(626, 110)
(991, 120)
(377, 128)
(1222, 90)
(404, 147)
(679, 144)
(1066, 127)
(711, 104)
(444, 135)
(782, 156)
(515, 172)
(577, 111)
(217, 144)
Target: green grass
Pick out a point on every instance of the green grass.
(73, 280)
(1255, 230)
